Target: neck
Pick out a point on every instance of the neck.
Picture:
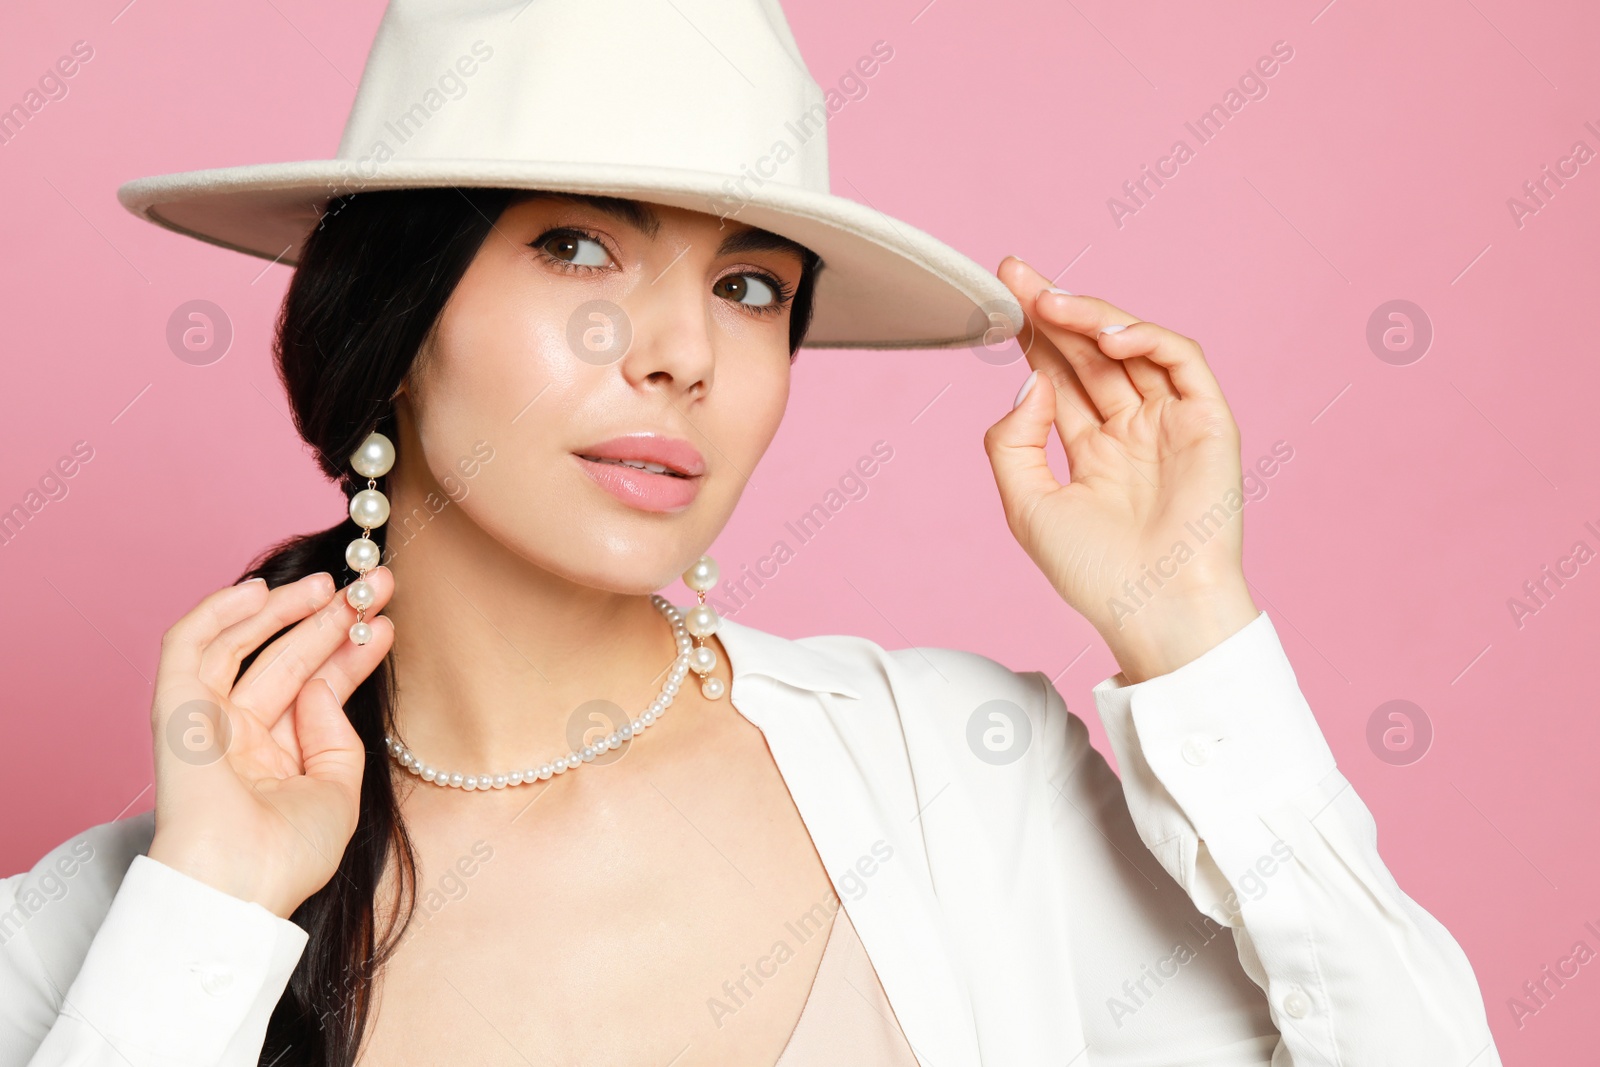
(493, 655)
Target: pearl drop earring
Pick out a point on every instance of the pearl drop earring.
(702, 621)
(369, 509)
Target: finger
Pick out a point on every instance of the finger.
(274, 680)
(1105, 382)
(1178, 357)
(184, 643)
(331, 750)
(287, 604)
(1076, 414)
(1016, 448)
(347, 668)
(351, 663)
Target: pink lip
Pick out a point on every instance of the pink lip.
(644, 489)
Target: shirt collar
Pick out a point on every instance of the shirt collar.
(753, 651)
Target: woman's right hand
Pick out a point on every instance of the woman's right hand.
(258, 782)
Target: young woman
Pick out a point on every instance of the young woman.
(387, 829)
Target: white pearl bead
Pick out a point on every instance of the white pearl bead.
(702, 620)
(375, 456)
(369, 508)
(702, 575)
(629, 729)
(362, 554)
(360, 633)
(360, 593)
(703, 660)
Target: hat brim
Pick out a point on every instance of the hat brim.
(886, 284)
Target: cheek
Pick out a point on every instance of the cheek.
(753, 408)
(498, 370)
(495, 349)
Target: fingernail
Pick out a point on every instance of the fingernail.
(1111, 329)
(1022, 394)
(1053, 289)
(247, 581)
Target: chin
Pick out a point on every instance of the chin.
(598, 551)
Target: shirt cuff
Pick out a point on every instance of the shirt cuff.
(179, 969)
(1227, 734)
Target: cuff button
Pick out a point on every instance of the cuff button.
(1296, 1004)
(216, 980)
(1196, 750)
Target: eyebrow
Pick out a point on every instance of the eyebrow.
(642, 217)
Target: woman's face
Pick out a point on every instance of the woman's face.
(634, 332)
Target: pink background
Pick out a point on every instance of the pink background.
(1418, 500)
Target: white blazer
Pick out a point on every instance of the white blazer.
(1021, 905)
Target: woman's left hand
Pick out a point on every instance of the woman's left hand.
(1145, 539)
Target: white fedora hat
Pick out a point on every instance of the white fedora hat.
(700, 104)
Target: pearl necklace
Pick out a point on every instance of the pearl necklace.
(693, 654)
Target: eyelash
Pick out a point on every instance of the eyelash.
(782, 293)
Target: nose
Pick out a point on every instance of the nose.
(671, 346)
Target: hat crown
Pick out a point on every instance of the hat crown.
(703, 85)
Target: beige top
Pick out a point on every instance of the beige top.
(846, 1017)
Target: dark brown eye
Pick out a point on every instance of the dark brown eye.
(746, 289)
(577, 249)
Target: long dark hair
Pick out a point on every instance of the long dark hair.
(371, 282)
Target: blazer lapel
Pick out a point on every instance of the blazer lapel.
(785, 690)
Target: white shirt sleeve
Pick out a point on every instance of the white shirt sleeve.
(1228, 784)
(179, 974)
